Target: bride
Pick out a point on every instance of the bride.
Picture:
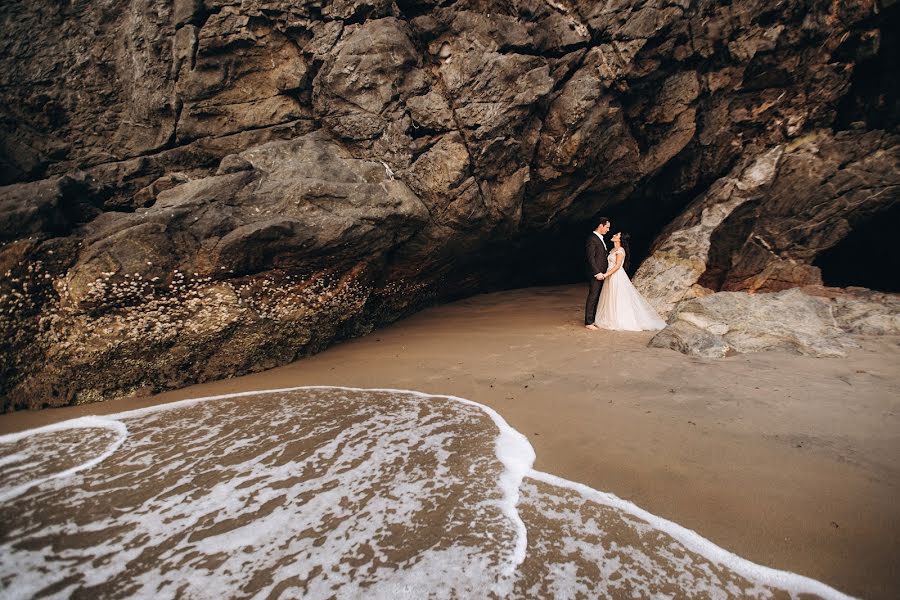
(621, 306)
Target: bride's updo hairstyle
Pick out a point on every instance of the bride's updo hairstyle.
(623, 239)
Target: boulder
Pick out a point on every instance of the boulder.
(680, 256)
(809, 321)
(298, 203)
(195, 286)
(49, 207)
(826, 186)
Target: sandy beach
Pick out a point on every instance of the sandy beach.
(791, 462)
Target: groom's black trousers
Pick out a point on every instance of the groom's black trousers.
(590, 307)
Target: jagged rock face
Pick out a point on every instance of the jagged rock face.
(681, 254)
(761, 227)
(825, 186)
(814, 321)
(198, 189)
(301, 205)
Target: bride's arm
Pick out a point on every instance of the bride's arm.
(620, 258)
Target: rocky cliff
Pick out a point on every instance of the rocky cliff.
(196, 189)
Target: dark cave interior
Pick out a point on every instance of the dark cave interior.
(557, 256)
(868, 257)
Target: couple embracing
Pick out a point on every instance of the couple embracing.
(613, 302)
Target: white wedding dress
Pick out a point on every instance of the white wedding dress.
(621, 306)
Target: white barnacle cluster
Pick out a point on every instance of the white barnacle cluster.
(134, 317)
(17, 292)
(13, 296)
(111, 291)
(402, 293)
(311, 300)
(146, 312)
(26, 299)
(141, 310)
(212, 309)
(272, 297)
(400, 288)
(354, 294)
(339, 298)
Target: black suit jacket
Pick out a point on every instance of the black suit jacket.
(597, 256)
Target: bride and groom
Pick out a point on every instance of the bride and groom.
(613, 302)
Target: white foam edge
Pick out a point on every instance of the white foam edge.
(517, 456)
(785, 580)
(91, 422)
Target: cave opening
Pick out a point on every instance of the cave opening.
(868, 257)
(556, 256)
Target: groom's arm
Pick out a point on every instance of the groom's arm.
(593, 257)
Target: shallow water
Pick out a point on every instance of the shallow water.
(331, 492)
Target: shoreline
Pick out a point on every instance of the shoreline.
(511, 449)
(765, 455)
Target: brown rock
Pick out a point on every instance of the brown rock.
(324, 169)
(761, 228)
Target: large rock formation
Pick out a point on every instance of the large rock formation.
(202, 188)
(680, 257)
(761, 227)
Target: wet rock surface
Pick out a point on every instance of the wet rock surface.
(200, 189)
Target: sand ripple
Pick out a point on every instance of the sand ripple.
(331, 492)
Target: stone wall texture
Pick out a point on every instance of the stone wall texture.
(202, 188)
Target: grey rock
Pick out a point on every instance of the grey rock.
(680, 256)
(29, 208)
(864, 312)
(233, 164)
(147, 196)
(356, 92)
(431, 111)
(812, 321)
(51, 206)
(300, 203)
(827, 184)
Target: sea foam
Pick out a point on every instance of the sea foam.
(332, 492)
(13, 481)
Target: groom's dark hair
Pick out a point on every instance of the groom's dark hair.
(601, 221)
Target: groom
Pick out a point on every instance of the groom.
(597, 254)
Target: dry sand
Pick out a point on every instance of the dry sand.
(792, 462)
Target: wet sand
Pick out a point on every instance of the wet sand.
(792, 462)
